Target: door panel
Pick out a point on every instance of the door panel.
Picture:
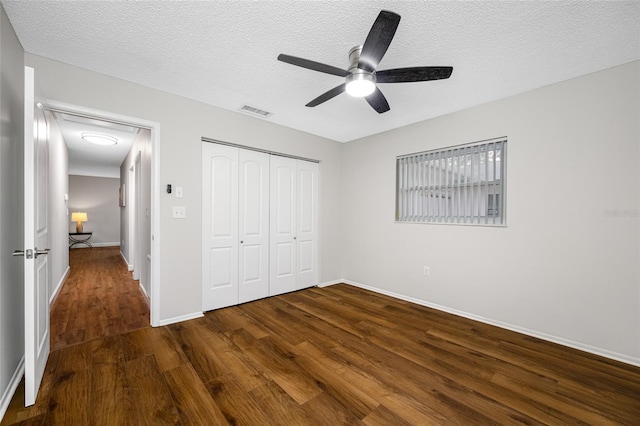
(219, 226)
(305, 256)
(36, 241)
(254, 225)
(283, 225)
(221, 273)
(307, 225)
(253, 257)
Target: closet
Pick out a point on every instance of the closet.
(259, 225)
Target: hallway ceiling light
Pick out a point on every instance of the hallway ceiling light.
(99, 139)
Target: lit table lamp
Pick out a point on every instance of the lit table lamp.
(79, 217)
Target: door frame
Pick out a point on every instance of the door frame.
(154, 127)
(136, 236)
(131, 244)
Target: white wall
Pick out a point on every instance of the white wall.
(141, 145)
(563, 268)
(12, 211)
(98, 196)
(58, 217)
(183, 123)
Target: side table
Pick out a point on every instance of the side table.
(77, 238)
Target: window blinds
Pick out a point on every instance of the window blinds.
(463, 184)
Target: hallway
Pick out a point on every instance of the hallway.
(98, 299)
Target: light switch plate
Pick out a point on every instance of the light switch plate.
(178, 191)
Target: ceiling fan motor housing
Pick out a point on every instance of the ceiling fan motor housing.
(359, 80)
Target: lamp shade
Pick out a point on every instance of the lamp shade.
(79, 217)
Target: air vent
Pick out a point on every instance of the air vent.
(256, 111)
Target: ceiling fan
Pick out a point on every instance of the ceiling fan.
(362, 77)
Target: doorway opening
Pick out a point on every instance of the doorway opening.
(134, 198)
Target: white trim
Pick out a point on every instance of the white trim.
(155, 226)
(144, 293)
(59, 287)
(154, 126)
(544, 336)
(179, 319)
(330, 283)
(112, 244)
(129, 266)
(107, 244)
(11, 388)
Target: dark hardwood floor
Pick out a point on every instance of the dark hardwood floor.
(328, 356)
(98, 299)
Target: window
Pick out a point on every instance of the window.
(463, 184)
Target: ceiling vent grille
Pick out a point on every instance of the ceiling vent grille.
(256, 111)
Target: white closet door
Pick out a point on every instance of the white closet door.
(219, 226)
(307, 225)
(254, 225)
(282, 269)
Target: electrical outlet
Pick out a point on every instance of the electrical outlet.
(179, 212)
(427, 272)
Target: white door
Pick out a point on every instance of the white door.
(307, 225)
(36, 240)
(254, 225)
(219, 226)
(283, 225)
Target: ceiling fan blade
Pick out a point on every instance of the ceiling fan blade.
(315, 66)
(327, 95)
(408, 75)
(378, 101)
(378, 40)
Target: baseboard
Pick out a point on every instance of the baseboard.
(126, 262)
(145, 294)
(59, 286)
(8, 393)
(329, 283)
(179, 319)
(112, 244)
(544, 336)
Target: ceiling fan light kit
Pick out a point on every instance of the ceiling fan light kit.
(362, 78)
(359, 83)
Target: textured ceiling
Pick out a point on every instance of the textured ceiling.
(224, 53)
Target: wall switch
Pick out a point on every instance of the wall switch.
(427, 272)
(178, 191)
(179, 212)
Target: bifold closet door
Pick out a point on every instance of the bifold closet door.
(253, 225)
(294, 199)
(235, 225)
(307, 225)
(219, 226)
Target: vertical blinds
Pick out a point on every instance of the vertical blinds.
(463, 184)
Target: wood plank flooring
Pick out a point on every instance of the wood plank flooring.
(329, 356)
(98, 299)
